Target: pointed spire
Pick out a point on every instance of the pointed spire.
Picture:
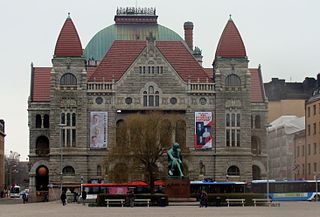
(230, 43)
(68, 43)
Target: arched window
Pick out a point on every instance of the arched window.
(38, 121)
(42, 178)
(68, 79)
(121, 134)
(68, 171)
(151, 97)
(256, 173)
(233, 80)
(233, 171)
(42, 146)
(257, 122)
(181, 133)
(46, 121)
(99, 170)
(255, 145)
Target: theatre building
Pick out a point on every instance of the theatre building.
(135, 65)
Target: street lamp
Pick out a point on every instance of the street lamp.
(61, 126)
(267, 127)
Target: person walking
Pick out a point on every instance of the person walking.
(203, 199)
(84, 196)
(63, 198)
(131, 198)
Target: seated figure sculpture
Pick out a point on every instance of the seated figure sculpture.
(175, 161)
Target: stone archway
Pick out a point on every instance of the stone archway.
(256, 172)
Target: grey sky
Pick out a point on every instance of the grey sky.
(281, 35)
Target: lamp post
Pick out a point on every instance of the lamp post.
(267, 127)
(316, 178)
(61, 126)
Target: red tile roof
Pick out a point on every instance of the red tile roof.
(40, 84)
(68, 43)
(230, 43)
(117, 60)
(257, 91)
(182, 61)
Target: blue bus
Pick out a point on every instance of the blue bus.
(288, 190)
(217, 187)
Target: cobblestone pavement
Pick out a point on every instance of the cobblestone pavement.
(55, 209)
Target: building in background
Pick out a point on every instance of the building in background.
(288, 98)
(312, 154)
(300, 154)
(2, 157)
(135, 65)
(281, 146)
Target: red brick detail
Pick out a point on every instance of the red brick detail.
(257, 93)
(68, 43)
(40, 89)
(230, 43)
(188, 34)
(182, 61)
(117, 60)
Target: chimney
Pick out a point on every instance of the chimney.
(318, 80)
(188, 34)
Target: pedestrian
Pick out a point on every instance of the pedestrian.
(24, 197)
(203, 199)
(63, 198)
(131, 198)
(75, 197)
(84, 196)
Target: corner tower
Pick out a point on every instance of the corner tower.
(233, 108)
(68, 107)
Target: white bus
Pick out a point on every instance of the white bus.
(15, 191)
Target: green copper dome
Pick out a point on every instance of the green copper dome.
(102, 41)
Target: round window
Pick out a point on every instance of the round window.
(173, 100)
(128, 100)
(99, 100)
(203, 101)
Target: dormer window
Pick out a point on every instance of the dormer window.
(68, 79)
(232, 82)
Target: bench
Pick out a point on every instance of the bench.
(142, 201)
(235, 201)
(114, 201)
(262, 201)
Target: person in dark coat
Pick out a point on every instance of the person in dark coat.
(63, 198)
(203, 199)
(84, 196)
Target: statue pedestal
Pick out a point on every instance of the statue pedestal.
(177, 187)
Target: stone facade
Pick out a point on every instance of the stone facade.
(190, 96)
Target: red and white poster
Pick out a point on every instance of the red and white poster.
(203, 130)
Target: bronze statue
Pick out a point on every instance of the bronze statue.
(175, 167)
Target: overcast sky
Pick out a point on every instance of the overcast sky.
(281, 35)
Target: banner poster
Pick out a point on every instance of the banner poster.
(203, 130)
(98, 129)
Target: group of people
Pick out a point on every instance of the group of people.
(63, 197)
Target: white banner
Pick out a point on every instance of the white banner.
(98, 129)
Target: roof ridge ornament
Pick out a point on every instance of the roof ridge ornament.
(68, 16)
(151, 38)
(230, 17)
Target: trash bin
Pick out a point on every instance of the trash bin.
(163, 201)
(218, 201)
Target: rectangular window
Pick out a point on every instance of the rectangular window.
(314, 110)
(309, 149)
(314, 128)
(302, 150)
(315, 167)
(302, 169)
(228, 137)
(309, 129)
(308, 109)
(68, 132)
(309, 169)
(232, 128)
(314, 148)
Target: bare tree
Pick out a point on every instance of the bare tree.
(141, 142)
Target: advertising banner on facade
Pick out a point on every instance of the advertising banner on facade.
(98, 129)
(203, 130)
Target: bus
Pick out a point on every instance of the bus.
(93, 189)
(217, 187)
(288, 190)
(15, 191)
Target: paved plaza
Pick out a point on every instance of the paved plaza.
(55, 209)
